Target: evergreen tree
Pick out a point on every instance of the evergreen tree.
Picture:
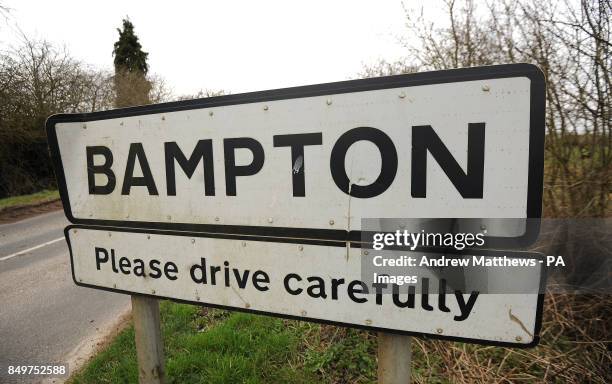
(131, 84)
(128, 52)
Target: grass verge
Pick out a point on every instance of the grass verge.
(212, 346)
(26, 200)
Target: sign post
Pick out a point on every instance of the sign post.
(394, 358)
(149, 343)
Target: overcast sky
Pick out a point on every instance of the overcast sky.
(236, 46)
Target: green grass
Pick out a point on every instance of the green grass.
(24, 200)
(213, 346)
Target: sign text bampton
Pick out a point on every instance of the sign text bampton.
(318, 162)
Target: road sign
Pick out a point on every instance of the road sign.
(305, 281)
(310, 162)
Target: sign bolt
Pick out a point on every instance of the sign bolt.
(114, 285)
(368, 322)
(211, 113)
(402, 95)
(439, 330)
(110, 234)
(483, 227)
(163, 117)
(74, 231)
(265, 108)
(331, 222)
(192, 241)
(148, 236)
(153, 291)
(244, 243)
(303, 313)
(247, 305)
(169, 217)
(329, 102)
(84, 126)
(198, 298)
(301, 247)
(270, 220)
(486, 88)
(366, 252)
(81, 280)
(518, 338)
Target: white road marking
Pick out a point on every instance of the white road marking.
(31, 249)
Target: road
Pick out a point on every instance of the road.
(44, 316)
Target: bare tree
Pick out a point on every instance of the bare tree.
(36, 81)
(160, 91)
(100, 93)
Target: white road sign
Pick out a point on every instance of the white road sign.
(310, 162)
(304, 281)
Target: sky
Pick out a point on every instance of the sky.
(235, 46)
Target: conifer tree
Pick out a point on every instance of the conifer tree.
(131, 84)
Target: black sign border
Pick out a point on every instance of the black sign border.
(536, 145)
(483, 252)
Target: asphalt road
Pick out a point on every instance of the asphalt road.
(44, 316)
